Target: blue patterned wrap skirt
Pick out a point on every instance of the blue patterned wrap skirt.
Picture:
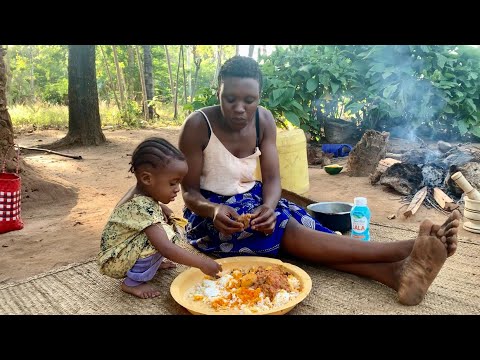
(205, 237)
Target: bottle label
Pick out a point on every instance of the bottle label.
(359, 227)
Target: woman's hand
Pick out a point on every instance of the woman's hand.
(264, 219)
(222, 220)
(211, 267)
(166, 211)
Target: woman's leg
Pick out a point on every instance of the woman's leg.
(408, 267)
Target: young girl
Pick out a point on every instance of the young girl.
(140, 233)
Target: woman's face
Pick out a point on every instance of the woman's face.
(239, 98)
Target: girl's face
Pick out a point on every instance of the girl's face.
(164, 184)
(239, 98)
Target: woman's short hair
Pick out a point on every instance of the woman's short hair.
(240, 66)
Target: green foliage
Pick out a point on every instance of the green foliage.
(41, 115)
(48, 116)
(307, 84)
(426, 89)
(433, 89)
(206, 96)
(46, 65)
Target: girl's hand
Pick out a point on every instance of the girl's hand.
(211, 267)
(264, 219)
(223, 220)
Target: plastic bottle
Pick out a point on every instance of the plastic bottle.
(360, 216)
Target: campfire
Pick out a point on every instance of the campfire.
(421, 174)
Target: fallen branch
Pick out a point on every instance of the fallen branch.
(77, 157)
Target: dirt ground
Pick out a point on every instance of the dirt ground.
(64, 220)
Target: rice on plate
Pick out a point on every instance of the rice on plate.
(247, 285)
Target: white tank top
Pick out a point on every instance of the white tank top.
(222, 172)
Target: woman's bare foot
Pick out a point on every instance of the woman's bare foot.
(447, 232)
(143, 291)
(167, 264)
(428, 255)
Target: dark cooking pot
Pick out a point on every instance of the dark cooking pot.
(333, 215)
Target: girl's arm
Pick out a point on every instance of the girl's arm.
(159, 239)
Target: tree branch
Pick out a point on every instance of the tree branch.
(77, 157)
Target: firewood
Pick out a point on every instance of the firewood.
(383, 165)
(393, 156)
(366, 154)
(416, 202)
(445, 201)
(451, 206)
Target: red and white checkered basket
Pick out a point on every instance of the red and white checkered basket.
(10, 197)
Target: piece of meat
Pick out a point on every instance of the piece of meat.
(245, 219)
(272, 280)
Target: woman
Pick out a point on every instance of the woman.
(222, 144)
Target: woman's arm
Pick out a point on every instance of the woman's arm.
(193, 139)
(272, 189)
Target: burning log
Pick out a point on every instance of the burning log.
(416, 202)
(382, 166)
(420, 156)
(404, 178)
(433, 175)
(443, 200)
(364, 157)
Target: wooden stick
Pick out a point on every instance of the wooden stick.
(416, 202)
(77, 157)
(443, 199)
(393, 156)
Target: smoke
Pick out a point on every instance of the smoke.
(414, 102)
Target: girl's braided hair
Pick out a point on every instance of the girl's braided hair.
(155, 152)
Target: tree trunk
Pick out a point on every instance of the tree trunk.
(121, 89)
(112, 84)
(237, 50)
(189, 56)
(366, 154)
(142, 82)
(175, 102)
(169, 70)
(84, 125)
(184, 100)
(32, 77)
(46, 192)
(148, 71)
(6, 128)
(130, 80)
(197, 61)
(219, 64)
(250, 50)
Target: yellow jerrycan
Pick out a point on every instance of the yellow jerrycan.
(292, 156)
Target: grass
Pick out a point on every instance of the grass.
(48, 116)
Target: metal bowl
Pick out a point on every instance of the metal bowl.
(333, 215)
